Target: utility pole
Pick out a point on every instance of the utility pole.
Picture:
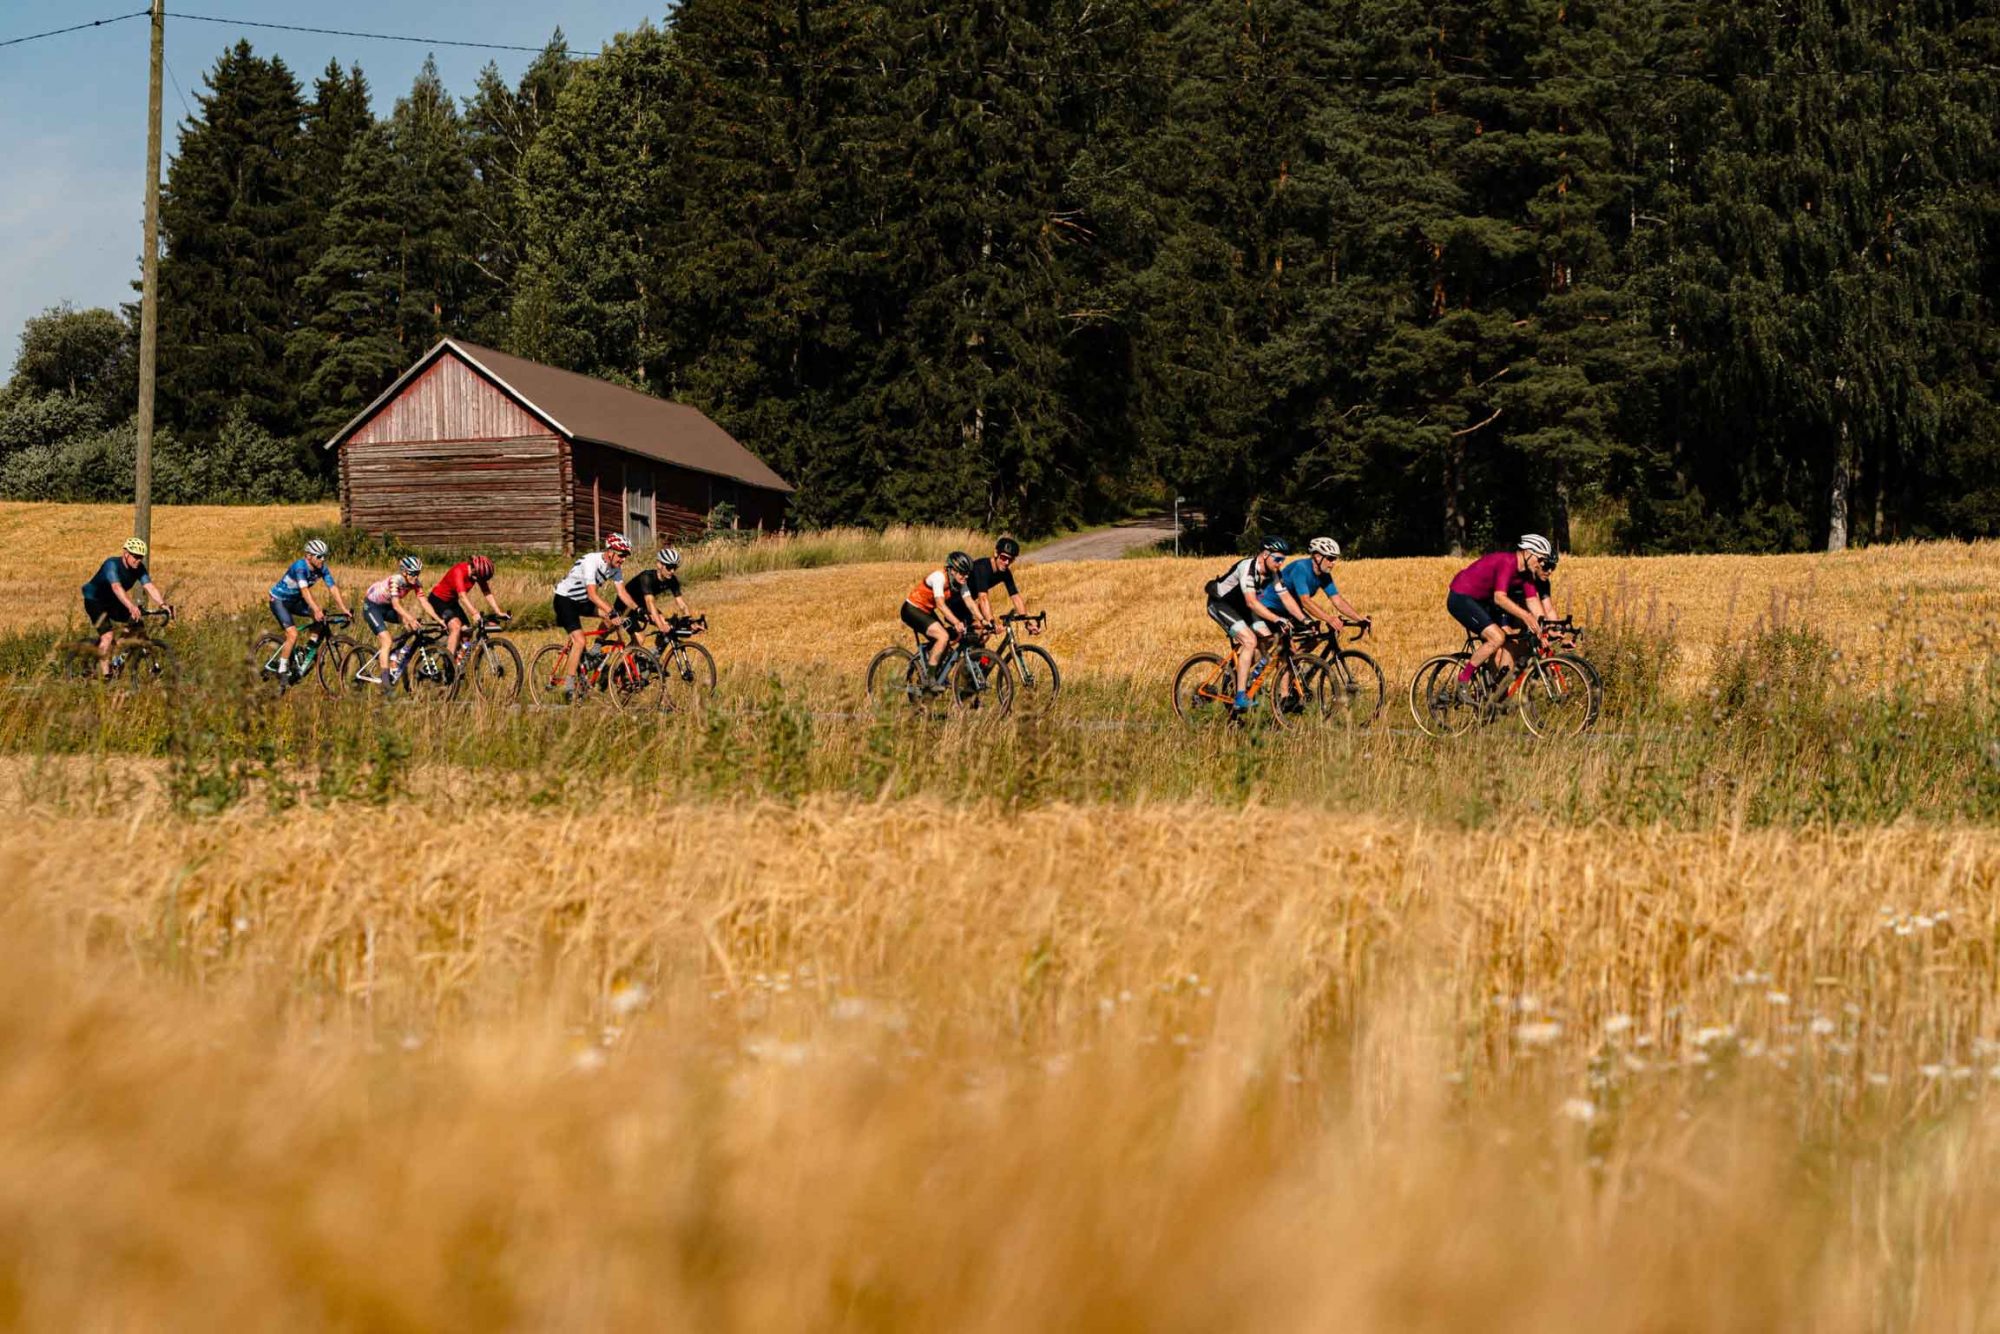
(149, 294)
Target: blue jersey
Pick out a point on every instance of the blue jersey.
(113, 572)
(1300, 579)
(298, 577)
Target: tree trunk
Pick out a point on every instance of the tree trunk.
(1836, 498)
(1454, 496)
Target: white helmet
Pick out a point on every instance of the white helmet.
(316, 547)
(670, 557)
(1537, 545)
(1324, 546)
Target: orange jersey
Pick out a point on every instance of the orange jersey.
(924, 597)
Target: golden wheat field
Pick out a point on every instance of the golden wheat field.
(763, 1030)
(1928, 611)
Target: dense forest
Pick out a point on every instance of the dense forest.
(1659, 274)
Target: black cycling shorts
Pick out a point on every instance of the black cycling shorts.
(1473, 613)
(572, 612)
(379, 616)
(918, 619)
(103, 615)
(1232, 616)
(447, 611)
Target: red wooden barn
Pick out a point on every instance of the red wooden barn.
(475, 448)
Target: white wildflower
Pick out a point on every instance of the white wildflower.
(1617, 1024)
(1537, 1034)
(1822, 1026)
(1777, 998)
(1581, 1110)
(629, 997)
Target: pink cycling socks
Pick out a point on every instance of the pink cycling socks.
(1465, 673)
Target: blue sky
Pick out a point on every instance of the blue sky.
(73, 111)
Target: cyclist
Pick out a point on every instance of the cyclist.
(452, 602)
(1532, 593)
(291, 597)
(385, 602)
(928, 611)
(975, 603)
(1480, 594)
(1235, 602)
(107, 601)
(649, 586)
(1309, 574)
(577, 595)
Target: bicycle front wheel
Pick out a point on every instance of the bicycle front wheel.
(687, 678)
(1558, 699)
(1036, 679)
(429, 674)
(1352, 688)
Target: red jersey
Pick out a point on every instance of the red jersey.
(457, 582)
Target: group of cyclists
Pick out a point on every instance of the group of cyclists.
(1256, 597)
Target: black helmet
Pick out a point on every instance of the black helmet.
(958, 563)
(1276, 546)
(1007, 547)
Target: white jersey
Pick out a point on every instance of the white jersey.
(1244, 580)
(587, 574)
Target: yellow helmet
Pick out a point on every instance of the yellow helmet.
(137, 546)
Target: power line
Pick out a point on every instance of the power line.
(343, 32)
(75, 27)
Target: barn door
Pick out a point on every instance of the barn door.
(639, 504)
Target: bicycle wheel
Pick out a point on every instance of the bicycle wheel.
(545, 675)
(327, 660)
(687, 678)
(1352, 687)
(1036, 679)
(629, 675)
(1203, 690)
(428, 673)
(263, 663)
(493, 669)
(691, 664)
(985, 689)
(1434, 698)
(890, 675)
(1558, 698)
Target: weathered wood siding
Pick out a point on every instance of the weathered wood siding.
(450, 401)
(681, 497)
(457, 493)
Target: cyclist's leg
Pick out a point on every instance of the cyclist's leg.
(288, 622)
(1479, 620)
(569, 617)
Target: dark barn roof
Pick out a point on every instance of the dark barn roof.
(582, 408)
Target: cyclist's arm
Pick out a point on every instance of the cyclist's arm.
(1264, 613)
(312, 603)
(126, 597)
(982, 606)
(948, 616)
(469, 605)
(653, 616)
(680, 605)
(340, 598)
(1516, 610)
(1345, 608)
(491, 601)
(411, 623)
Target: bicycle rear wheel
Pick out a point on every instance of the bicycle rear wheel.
(1434, 698)
(1036, 679)
(890, 676)
(545, 675)
(263, 663)
(1204, 690)
(428, 673)
(1558, 699)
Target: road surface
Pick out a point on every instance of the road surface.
(1105, 543)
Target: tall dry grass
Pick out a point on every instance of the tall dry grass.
(909, 1066)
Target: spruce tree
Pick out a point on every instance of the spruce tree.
(235, 226)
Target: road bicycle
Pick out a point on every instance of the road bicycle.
(1556, 695)
(1567, 636)
(488, 663)
(687, 669)
(137, 660)
(1036, 680)
(970, 679)
(1205, 686)
(1347, 683)
(320, 652)
(418, 665)
(609, 667)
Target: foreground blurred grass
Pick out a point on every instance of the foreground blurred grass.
(907, 1066)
